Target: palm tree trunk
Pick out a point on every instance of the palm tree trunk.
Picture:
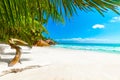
(16, 59)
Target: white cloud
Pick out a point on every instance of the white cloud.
(99, 26)
(115, 19)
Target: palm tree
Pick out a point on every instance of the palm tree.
(17, 20)
(14, 44)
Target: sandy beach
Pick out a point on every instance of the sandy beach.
(46, 63)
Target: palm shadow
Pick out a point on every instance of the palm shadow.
(10, 53)
(13, 53)
(7, 60)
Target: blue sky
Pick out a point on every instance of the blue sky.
(88, 27)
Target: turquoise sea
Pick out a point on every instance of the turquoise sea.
(101, 47)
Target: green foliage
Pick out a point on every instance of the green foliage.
(17, 19)
(24, 19)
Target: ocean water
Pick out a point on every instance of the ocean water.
(110, 48)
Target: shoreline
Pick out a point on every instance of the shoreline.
(57, 61)
(98, 47)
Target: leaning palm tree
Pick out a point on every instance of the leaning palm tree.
(15, 44)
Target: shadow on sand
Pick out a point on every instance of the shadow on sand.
(7, 59)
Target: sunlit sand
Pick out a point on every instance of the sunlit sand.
(60, 64)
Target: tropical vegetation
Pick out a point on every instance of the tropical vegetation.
(25, 19)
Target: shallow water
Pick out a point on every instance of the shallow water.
(111, 48)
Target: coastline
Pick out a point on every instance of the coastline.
(59, 63)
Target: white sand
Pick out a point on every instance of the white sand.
(62, 64)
